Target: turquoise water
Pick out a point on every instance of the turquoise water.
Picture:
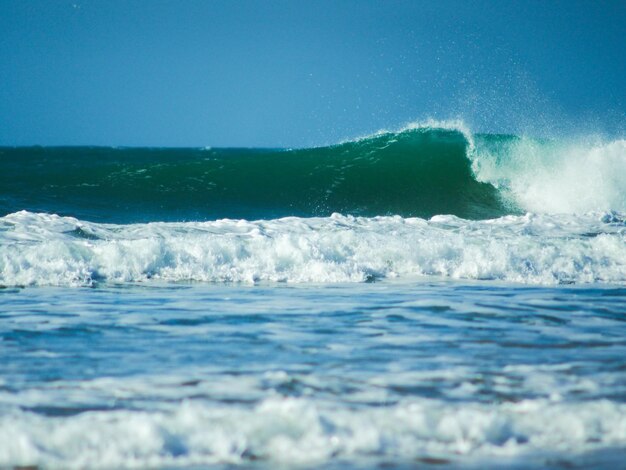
(412, 173)
(426, 297)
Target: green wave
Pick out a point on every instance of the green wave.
(418, 172)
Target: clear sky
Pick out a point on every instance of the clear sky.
(301, 73)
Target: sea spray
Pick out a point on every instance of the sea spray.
(554, 176)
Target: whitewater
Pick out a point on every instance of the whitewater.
(42, 249)
(426, 296)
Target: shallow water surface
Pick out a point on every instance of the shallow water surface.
(426, 371)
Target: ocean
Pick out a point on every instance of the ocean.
(428, 297)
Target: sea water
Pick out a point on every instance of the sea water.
(426, 297)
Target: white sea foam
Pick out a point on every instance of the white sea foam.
(303, 431)
(41, 249)
(553, 177)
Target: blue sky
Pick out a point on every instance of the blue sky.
(301, 73)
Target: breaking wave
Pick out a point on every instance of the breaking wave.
(42, 249)
(422, 170)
